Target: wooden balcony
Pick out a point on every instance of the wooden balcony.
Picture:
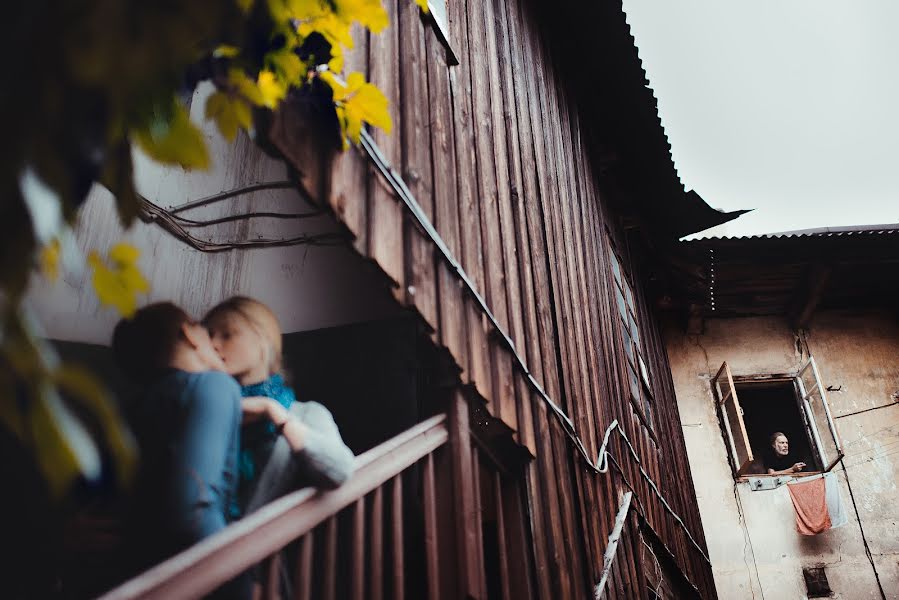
(426, 514)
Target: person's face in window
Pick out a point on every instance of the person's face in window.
(781, 445)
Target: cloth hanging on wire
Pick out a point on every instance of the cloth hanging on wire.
(817, 503)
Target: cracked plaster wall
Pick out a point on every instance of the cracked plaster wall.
(755, 549)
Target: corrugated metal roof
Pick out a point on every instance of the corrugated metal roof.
(841, 231)
(772, 274)
(618, 113)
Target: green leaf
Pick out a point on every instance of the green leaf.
(84, 388)
(65, 451)
(118, 178)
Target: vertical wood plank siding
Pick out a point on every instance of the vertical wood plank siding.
(494, 153)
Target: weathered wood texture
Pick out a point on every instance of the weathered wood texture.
(495, 155)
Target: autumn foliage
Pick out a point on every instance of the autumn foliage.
(89, 81)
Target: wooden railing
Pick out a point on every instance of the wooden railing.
(351, 542)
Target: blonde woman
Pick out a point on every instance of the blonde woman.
(285, 444)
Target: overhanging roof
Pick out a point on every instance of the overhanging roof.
(597, 57)
(791, 273)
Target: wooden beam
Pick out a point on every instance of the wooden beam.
(695, 320)
(810, 297)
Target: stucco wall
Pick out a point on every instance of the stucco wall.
(309, 287)
(753, 543)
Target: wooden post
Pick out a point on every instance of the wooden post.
(468, 553)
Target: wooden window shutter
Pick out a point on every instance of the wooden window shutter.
(731, 414)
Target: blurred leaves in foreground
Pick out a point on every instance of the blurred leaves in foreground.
(92, 79)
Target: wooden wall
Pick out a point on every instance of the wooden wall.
(497, 160)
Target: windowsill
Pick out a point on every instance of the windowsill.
(745, 478)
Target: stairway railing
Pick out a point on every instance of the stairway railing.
(351, 540)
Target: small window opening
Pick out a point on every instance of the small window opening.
(774, 407)
(794, 405)
(816, 582)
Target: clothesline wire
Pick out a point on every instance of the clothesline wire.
(867, 435)
(879, 448)
(869, 459)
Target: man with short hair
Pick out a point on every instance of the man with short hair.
(780, 462)
(188, 425)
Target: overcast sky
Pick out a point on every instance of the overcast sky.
(789, 108)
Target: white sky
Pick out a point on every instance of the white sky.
(787, 107)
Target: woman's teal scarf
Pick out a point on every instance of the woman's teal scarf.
(256, 438)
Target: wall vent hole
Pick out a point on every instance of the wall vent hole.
(816, 582)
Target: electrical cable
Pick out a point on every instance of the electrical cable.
(245, 217)
(178, 226)
(247, 189)
(862, 531)
(864, 410)
(867, 435)
(748, 542)
(399, 186)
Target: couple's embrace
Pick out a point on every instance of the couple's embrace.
(220, 432)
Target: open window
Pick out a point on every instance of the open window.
(731, 414)
(823, 428)
(752, 408)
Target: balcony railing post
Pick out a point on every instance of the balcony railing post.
(468, 550)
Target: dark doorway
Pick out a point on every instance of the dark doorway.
(376, 378)
(769, 407)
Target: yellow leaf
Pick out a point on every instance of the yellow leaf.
(369, 13)
(271, 89)
(229, 113)
(124, 254)
(174, 140)
(50, 260)
(333, 28)
(288, 65)
(118, 284)
(245, 86)
(245, 5)
(279, 10)
(226, 51)
(302, 9)
(336, 62)
(423, 5)
(358, 102)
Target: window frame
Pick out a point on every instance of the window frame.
(737, 461)
(439, 21)
(803, 399)
(638, 375)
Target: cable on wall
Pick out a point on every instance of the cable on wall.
(600, 465)
(179, 226)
